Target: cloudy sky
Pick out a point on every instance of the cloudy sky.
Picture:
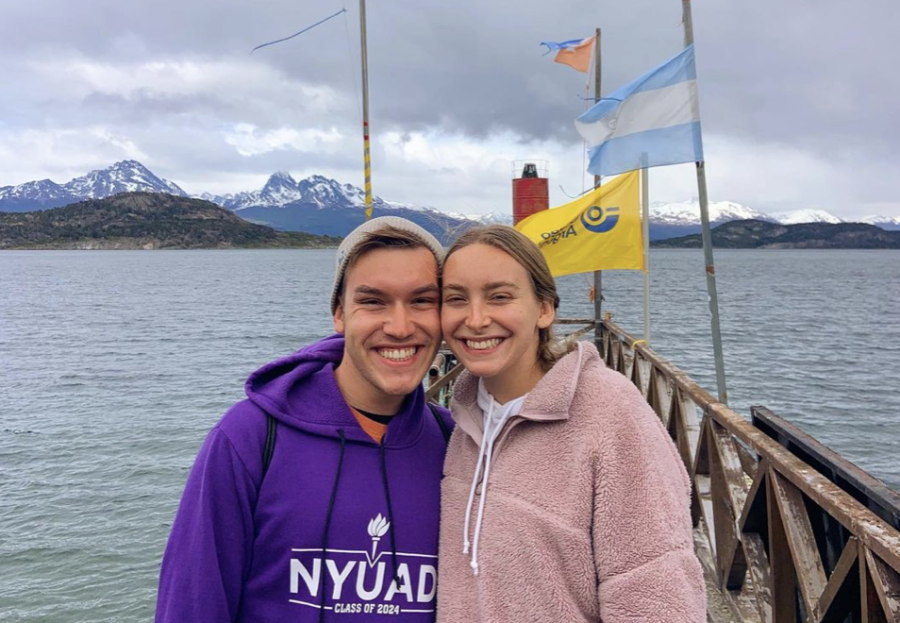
(799, 98)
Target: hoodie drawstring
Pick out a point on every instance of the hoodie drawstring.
(390, 509)
(487, 472)
(334, 488)
(481, 454)
(494, 420)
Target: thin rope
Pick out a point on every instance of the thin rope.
(298, 33)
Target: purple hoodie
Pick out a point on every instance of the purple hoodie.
(335, 518)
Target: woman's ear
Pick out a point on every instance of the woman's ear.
(548, 315)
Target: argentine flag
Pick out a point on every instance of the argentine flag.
(650, 122)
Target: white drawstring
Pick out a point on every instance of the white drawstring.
(487, 471)
(475, 484)
(485, 454)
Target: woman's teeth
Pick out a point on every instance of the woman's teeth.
(484, 344)
(397, 354)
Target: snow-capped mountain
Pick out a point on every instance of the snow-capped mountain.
(494, 218)
(889, 223)
(805, 216)
(668, 220)
(124, 176)
(281, 189)
(688, 212)
(34, 196)
(682, 218)
(322, 205)
(316, 204)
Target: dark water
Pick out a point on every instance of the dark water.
(113, 365)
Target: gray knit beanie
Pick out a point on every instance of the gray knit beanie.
(370, 227)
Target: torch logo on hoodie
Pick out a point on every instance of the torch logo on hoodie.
(378, 527)
(364, 581)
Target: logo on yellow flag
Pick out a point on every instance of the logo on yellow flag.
(599, 231)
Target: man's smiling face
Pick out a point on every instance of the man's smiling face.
(389, 314)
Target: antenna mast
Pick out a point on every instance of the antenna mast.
(367, 162)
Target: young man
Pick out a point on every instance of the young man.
(342, 524)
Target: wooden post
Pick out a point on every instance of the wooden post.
(707, 238)
(367, 163)
(598, 281)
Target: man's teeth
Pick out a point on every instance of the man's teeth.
(397, 354)
(484, 344)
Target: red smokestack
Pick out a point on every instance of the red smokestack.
(530, 190)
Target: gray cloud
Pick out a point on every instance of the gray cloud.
(814, 78)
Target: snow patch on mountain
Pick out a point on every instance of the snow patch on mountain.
(122, 177)
(889, 223)
(688, 212)
(493, 218)
(880, 219)
(217, 199)
(805, 216)
(281, 189)
(41, 190)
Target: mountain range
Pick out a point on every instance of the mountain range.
(321, 205)
(317, 205)
(282, 189)
(122, 177)
(145, 220)
(757, 234)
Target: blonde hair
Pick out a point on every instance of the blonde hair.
(529, 256)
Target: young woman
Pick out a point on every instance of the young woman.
(563, 497)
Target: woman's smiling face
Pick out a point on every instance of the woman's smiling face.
(490, 318)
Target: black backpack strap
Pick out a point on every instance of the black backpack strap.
(269, 448)
(440, 421)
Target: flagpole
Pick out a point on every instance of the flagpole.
(645, 217)
(707, 237)
(367, 163)
(598, 281)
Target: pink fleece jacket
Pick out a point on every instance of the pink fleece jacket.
(587, 512)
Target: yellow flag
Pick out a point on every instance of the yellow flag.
(599, 231)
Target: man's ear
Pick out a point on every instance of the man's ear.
(339, 318)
